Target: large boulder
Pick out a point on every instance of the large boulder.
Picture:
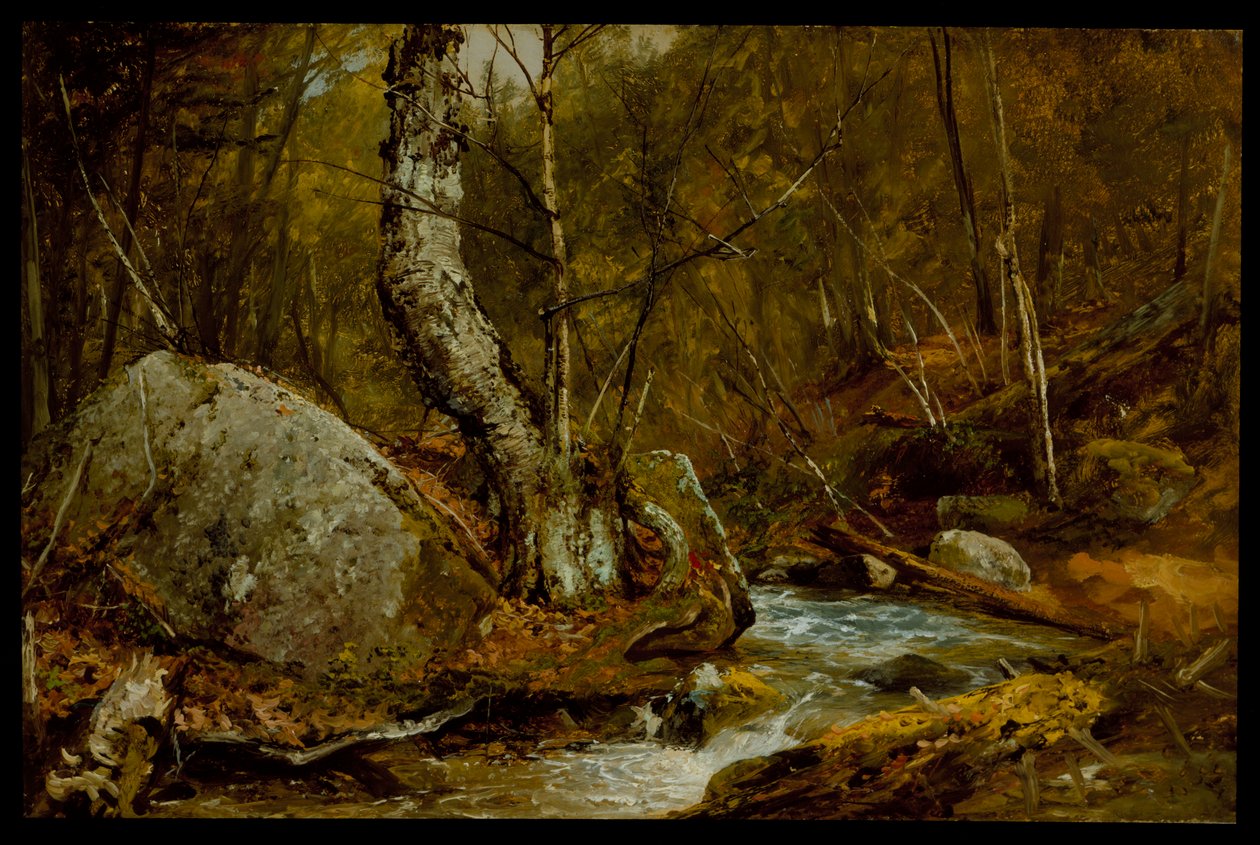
(266, 523)
(981, 555)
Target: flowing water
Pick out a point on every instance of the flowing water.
(807, 644)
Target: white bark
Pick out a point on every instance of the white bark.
(562, 545)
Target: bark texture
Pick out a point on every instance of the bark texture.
(559, 544)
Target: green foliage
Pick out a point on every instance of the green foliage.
(136, 624)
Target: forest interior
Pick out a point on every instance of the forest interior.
(612, 421)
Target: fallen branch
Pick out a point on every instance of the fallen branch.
(361, 740)
(983, 595)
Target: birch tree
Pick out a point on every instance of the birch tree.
(562, 520)
(1041, 442)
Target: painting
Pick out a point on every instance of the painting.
(621, 422)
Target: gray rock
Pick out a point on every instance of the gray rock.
(268, 524)
(772, 575)
(708, 700)
(981, 513)
(857, 572)
(981, 555)
(913, 670)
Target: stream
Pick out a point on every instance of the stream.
(806, 643)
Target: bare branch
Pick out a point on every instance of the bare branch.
(160, 316)
(430, 208)
(586, 34)
(511, 51)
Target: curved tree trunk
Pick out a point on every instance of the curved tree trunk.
(562, 521)
(561, 532)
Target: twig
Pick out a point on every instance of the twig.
(1007, 669)
(1212, 658)
(61, 515)
(612, 371)
(471, 536)
(634, 424)
(1159, 693)
(1093, 746)
(170, 632)
(1166, 716)
(144, 425)
(1204, 686)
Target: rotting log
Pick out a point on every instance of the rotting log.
(975, 592)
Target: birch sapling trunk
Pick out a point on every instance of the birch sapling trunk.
(1041, 441)
(41, 387)
(557, 367)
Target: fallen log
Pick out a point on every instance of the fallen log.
(975, 592)
(915, 763)
(1110, 352)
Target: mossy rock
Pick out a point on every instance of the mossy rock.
(1129, 482)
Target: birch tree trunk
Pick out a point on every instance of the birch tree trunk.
(1041, 441)
(560, 532)
(562, 522)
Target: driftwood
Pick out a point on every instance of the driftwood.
(367, 739)
(976, 592)
(345, 753)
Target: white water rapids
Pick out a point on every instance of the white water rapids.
(806, 643)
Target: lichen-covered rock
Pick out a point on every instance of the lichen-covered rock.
(981, 513)
(706, 701)
(267, 524)
(981, 555)
(1125, 481)
(913, 670)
